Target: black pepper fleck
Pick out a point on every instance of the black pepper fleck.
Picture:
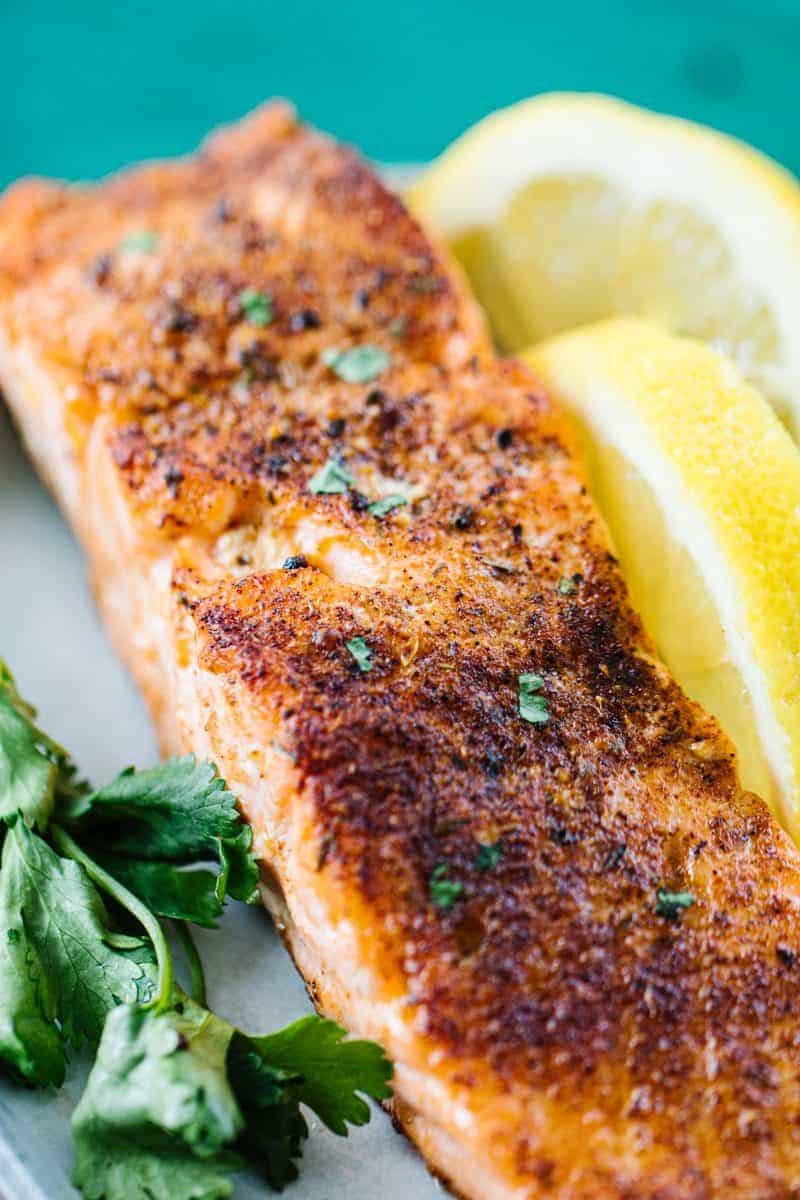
(562, 835)
(258, 362)
(464, 519)
(299, 322)
(221, 212)
(504, 438)
(335, 428)
(180, 320)
(173, 478)
(492, 764)
(614, 857)
(295, 563)
(100, 269)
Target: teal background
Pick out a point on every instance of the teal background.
(87, 87)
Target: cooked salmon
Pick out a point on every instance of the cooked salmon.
(349, 555)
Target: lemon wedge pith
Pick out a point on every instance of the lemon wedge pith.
(700, 486)
(567, 209)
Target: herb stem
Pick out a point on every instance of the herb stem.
(70, 849)
(195, 964)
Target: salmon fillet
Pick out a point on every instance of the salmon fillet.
(478, 891)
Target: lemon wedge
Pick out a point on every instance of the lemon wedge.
(699, 484)
(567, 209)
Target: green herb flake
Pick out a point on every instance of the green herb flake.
(532, 706)
(398, 327)
(256, 306)
(332, 479)
(443, 891)
(381, 508)
(489, 855)
(361, 653)
(566, 586)
(142, 241)
(672, 904)
(359, 364)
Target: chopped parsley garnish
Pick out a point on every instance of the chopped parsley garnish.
(566, 586)
(532, 705)
(177, 1099)
(256, 306)
(361, 653)
(380, 508)
(142, 240)
(398, 327)
(359, 364)
(332, 479)
(443, 891)
(672, 904)
(489, 855)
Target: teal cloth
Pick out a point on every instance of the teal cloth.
(87, 87)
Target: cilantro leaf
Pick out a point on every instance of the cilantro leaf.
(239, 876)
(170, 1092)
(532, 707)
(358, 364)
(361, 653)
(331, 480)
(177, 813)
(330, 1071)
(30, 1043)
(27, 772)
(158, 1110)
(381, 508)
(173, 891)
(80, 973)
(443, 891)
(32, 766)
(275, 1128)
(256, 306)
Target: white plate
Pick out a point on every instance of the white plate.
(53, 641)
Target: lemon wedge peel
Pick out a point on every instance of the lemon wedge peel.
(725, 477)
(643, 158)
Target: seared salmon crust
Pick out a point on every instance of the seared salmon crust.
(480, 873)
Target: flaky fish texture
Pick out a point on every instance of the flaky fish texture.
(491, 897)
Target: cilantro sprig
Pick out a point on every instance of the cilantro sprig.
(177, 1099)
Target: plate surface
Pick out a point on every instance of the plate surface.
(53, 641)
